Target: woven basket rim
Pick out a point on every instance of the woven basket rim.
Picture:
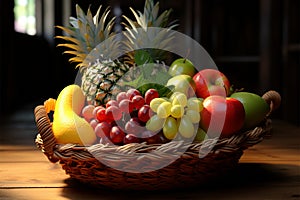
(216, 146)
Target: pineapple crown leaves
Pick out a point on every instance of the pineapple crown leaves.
(141, 31)
(149, 18)
(86, 32)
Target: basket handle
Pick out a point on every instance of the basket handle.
(44, 128)
(273, 98)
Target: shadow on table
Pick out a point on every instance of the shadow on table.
(247, 179)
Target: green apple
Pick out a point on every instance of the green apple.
(256, 108)
(182, 66)
(183, 83)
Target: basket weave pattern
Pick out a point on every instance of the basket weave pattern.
(82, 163)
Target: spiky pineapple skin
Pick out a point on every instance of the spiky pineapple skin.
(101, 81)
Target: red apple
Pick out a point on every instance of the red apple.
(211, 82)
(222, 116)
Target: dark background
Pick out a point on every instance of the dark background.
(255, 43)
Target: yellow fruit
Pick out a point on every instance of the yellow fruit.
(155, 123)
(164, 110)
(170, 128)
(177, 111)
(68, 126)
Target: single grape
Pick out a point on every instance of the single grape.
(138, 101)
(164, 110)
(193, 115)
(170, 128)
(87, 112)
(155, 123)
(133, 127)
(186, 127)
(94, 123)
(103, 129)
(111, 103)
(121, 96)
(117, 135)
(150, 95)
(177, 111)
(100, 115)
(96, 110)
(200, 135)
(143, 113)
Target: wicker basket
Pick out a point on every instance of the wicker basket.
(82, 163)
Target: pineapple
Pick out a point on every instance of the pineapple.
(101, 72)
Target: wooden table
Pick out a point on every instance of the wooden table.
(269, 170)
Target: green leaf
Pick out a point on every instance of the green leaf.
(141, 57)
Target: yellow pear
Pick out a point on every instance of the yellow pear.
(68, 126)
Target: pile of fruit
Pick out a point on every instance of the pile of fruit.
(188, 104)
(200, 104)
